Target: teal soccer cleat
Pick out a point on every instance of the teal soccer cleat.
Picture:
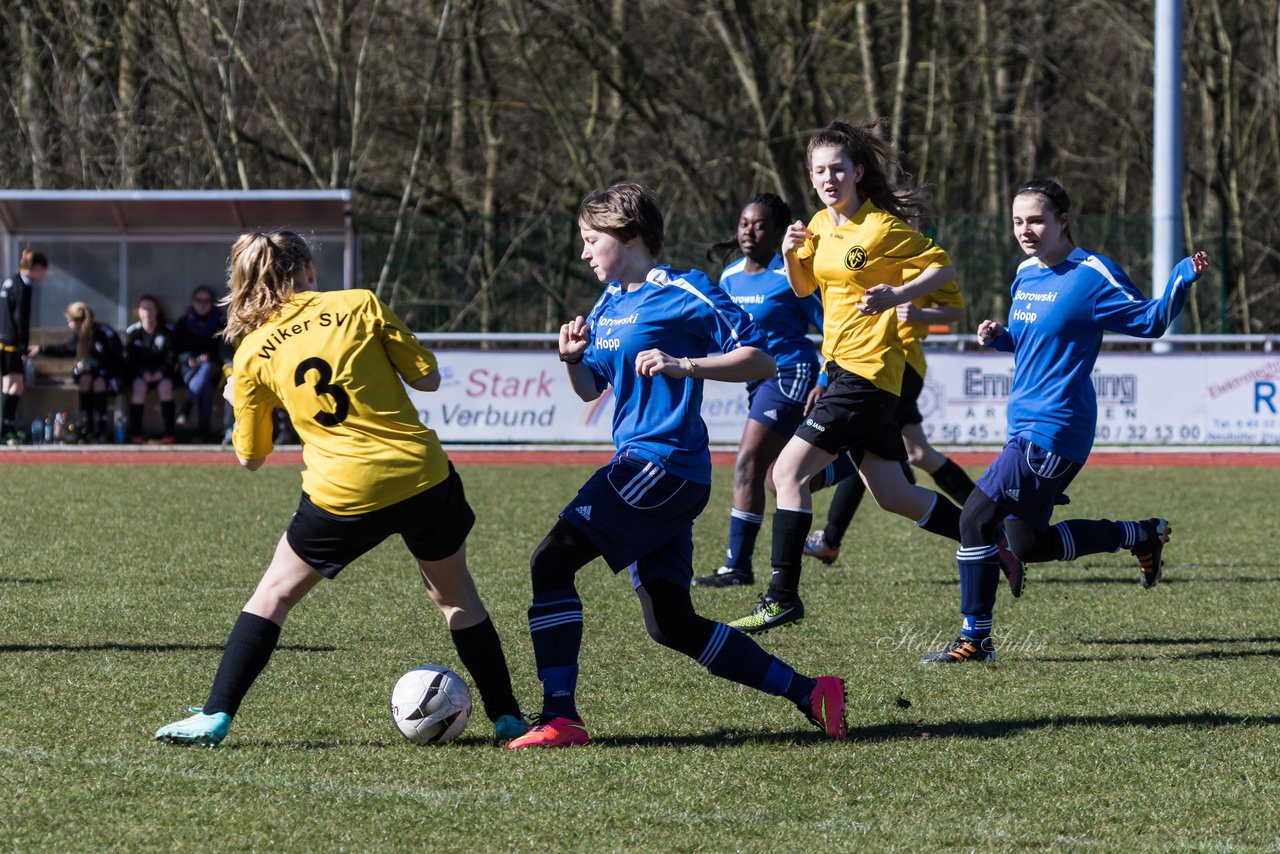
(204, 730)
(508, 727)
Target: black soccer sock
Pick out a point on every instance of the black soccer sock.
(99, 404)
(844, 504)
(86, 415)
(725, 652)
(248, 650)
(135, 420)
(790, 527)
(167, 415)
(481, 652)
(942, 519)
(954, 481)
(8, 413)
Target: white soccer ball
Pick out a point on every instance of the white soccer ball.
(430, 705)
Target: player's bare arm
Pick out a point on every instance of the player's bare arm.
(884, 297)
(742, 365)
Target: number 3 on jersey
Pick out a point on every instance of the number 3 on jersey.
(341, 402)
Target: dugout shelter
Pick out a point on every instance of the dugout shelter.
(107, 248)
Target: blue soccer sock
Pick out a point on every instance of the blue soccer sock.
(844, 504)
(837, 471)
(1080, 537)
(979, 578)
(555, 627)
(732, 655)
(744, 527)
(1131, 535)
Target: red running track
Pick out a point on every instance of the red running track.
(462, 457)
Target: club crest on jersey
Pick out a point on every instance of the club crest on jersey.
(855, 258)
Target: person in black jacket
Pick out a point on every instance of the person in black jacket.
(99, 361)
(15, 338)
(199, 357)
(151, 363)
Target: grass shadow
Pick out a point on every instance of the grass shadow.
(1158, 641)
(1206, 655)
(905, 731)
(715, 738)
(1007, 728)
(1165, 581)
(8, 579)
(319, 744)
(145, 647)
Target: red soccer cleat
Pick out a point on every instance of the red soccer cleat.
(552, 732)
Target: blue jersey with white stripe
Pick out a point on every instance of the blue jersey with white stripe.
(783, 317)
(682, 314)
(1056, 319)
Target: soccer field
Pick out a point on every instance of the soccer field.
(1115, 718)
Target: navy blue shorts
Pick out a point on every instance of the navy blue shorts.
(640, 517)
(434, 524)
(853, 414)
(908, 409)
(777, 402)
(1027, 481)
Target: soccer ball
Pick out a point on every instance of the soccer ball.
(430, 705)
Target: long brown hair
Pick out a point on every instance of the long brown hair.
(264, 271)
(80, 314)
(876, 157)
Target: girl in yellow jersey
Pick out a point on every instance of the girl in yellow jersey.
(337, 361)
(943, 306)
(864, 259)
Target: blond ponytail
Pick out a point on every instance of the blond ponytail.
(264, 271)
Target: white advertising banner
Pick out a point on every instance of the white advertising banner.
(1143, 399)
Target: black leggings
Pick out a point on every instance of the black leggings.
(980, 522)
(668, 609)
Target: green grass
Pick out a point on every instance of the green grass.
(1116, 719)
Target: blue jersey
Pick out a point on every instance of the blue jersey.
(783, 317)
(1056, 319)
(682, 314)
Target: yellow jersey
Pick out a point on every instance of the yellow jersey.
(872, 248)
(334, 361)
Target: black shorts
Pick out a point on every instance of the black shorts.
(97, 372)
(434, 524)
(853, 414)
(908, 409)
(10, 362)
(154, 384)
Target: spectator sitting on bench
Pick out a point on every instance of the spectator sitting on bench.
(99, 360)
(151, 363)
(198, 345)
